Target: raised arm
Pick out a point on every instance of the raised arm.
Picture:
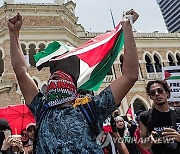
(26, 83)
(147, 140)
(122, 85)
(119, 144)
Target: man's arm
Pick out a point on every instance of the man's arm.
(119, 144)
(26, 83)
(147, 141)
(122, 85)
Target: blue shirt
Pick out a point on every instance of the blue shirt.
(65, 130)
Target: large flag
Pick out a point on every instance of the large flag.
(89, 63)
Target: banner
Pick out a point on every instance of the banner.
(172, 75)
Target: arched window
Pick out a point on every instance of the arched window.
(110, 72)
(121, 61)
(23, 46)
(178, 59)
(1, 63)
(32, 52)
(171, 61)
(138, 105)
(44, 88)
(149, 65)
(157, 64)
(36, 82)
(41, 47)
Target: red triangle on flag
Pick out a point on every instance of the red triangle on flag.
(167, 74)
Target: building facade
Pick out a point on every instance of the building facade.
(44, 23)
(170, 10)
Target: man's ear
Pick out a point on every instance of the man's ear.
(150, 97)
(168, 95)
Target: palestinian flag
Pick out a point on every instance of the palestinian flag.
(53, 50)
(89, 63)
(172, 73)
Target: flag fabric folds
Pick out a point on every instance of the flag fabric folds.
(130, 112)
(89, 63)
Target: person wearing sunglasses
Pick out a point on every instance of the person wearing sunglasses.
(30, 130)
(160, 126)
(28, 148)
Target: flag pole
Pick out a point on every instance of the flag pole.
(112, 19)
(114, 27)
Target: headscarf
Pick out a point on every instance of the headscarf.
(3, 126)
(122, 131)
(118, 118)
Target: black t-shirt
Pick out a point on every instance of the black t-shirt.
(155, 120)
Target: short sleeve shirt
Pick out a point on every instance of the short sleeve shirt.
(65, 130)
(156, 121)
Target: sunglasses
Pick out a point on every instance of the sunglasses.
(158, 90)
(23, 134)
(173, 102)
(31, 130)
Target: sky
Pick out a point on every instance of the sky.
(95, 16)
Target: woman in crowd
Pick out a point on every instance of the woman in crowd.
(28, 148)
(30, 130)
(9, 145)
(126, 131)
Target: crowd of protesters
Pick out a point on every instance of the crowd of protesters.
(124, 136)
(64, 129)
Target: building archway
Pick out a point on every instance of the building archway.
(121, 61)
(138, 105)
(158, 66)
(41, 47)
(149, 66)
(32, 52)
(171, 60)
(178, 58)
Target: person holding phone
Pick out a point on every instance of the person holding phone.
(9, 145)
(160, 126)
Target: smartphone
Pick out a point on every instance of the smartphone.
(7, 133)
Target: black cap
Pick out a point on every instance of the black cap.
(4, 124)
(70, 65)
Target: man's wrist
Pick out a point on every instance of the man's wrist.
(127, 27)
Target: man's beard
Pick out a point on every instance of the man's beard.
(161, 103)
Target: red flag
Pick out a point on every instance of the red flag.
(130, 112)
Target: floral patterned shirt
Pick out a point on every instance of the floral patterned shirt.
(65, 130)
